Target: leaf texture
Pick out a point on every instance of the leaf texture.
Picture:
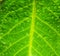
(29, 28)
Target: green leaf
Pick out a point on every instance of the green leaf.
(30, 28)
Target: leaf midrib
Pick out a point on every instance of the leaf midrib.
(32, 27)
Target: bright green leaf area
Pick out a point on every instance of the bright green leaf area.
(30, 28)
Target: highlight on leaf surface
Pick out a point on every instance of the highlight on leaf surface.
(0, 0)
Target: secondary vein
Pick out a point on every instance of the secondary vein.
(32, 27)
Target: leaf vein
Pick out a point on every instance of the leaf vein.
(14, 27)
(37, 51)
(49, 26)
(20, 50)
(47, 43)
(13, 44)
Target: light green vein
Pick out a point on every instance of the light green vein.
(14, 27)
(49, 9)
(20, 50)
(32, 27)
(37, 43)
(13, 44)
(52, 12)
(47, 43)
(14, 11)
(49, 26)
(20, 31)
(37, 51)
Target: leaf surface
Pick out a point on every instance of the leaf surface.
(29, 28)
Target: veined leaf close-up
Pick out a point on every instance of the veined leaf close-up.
(29, 27)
